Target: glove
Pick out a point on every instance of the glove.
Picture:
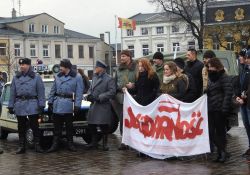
(11, 111)
(41, 109)
(76, 110)
(90, 98)
(50, 108)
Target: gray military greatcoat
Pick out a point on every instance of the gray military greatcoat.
(66, 85)
(27, 94)
(102, 88)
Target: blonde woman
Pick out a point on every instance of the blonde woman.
(174, 83)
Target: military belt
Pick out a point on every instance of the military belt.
(64, 95)
(23, 97)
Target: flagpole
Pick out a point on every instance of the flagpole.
(116, 52)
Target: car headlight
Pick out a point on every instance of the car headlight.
(45, 118)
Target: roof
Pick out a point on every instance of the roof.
(4, 20)
(74, 34)
(227, 3)
(157, 17)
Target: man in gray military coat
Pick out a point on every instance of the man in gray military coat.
(102, 89)
(27, 100)
(65, 99)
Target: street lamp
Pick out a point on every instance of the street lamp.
(109, 53)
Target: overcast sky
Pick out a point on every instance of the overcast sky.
(91, 17)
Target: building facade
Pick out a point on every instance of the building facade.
(43, 37)
(162, 32)
(227, 25)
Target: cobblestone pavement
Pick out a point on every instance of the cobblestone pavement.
(119, 162)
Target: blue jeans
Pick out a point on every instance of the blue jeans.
(245, 114)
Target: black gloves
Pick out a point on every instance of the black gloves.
(11, 111)
(76, 110)
(50, 108)
(90, 98)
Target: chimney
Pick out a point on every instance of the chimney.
(13, 13)
(102, 36)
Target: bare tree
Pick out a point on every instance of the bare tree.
(190, 11)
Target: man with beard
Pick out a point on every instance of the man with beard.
(126, 74)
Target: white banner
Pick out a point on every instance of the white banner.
(167, 127)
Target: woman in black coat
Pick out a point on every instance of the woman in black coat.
(146, 87)
(219, 94)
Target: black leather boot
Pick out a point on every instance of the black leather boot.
(54, 146)
(71, 146)
(93, 144)
(105, 142)
(224, 157)
(21, 149)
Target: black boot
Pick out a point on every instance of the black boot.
(1, 151)
(54, 146)
(21, 149)
(105, 143)
(38, 148)
(224, 157)
(71, 146)
(93, 144)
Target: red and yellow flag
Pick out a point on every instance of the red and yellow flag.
(125, 23)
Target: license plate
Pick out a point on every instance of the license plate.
(47, 133)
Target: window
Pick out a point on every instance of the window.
(17, 50)
(81, 51)
(56, 30)
(44, 28)
(144, 31)
(31, 28)
(32, 50)
(131, 48)
(3, 49)
(58, 51)
(176, 46)
(45, 50)
(145, 50)
(70, 51)
(160, 47)
(191, 45)
(159, 30)
(216, 46)
(130, 32)
(188, 29)
(175, 29)
(230, 46)
(91, 52)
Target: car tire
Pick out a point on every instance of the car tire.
(3, 133)
(87, 136)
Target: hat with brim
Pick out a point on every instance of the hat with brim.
(101, 64)
(24, 61)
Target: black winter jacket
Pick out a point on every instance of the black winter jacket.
(195, 69)
(145, 89)
(191, 92)
(220, 94)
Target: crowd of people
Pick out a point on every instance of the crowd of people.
(185, 80)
